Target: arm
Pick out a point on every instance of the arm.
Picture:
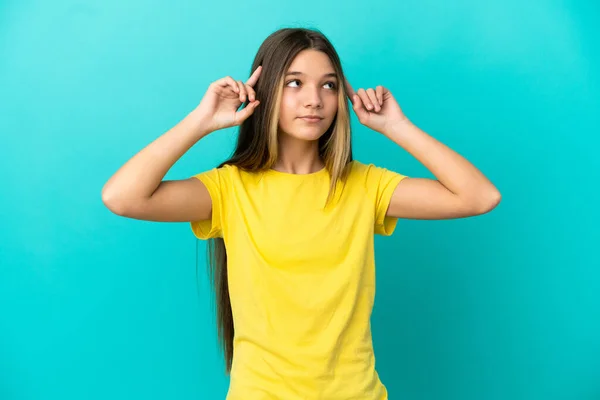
(460, 189)
(137, 191)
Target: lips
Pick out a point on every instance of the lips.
(310, 118)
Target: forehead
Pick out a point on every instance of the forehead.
(312, 62)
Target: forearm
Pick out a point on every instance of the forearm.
(140, 176)
(451, 169)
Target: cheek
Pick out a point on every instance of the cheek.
(288, 106)
(287, 113)
(332, 105)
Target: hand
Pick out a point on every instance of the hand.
(221, 101)
(376, 109)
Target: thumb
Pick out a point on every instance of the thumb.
(247, 111)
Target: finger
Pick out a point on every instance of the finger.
(359, 108)
(365, 98)
(242, 91)
(227, 81)
(349, 91)
(255, 75)
(373, 98)
(251, 93)
(379, 92)
(358, 104)
(245, 112)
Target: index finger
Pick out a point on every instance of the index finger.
(349, 91)
(252, 80)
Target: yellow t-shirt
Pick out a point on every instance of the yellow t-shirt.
(301, 279)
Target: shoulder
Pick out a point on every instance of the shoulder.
(373, 178)
(229, 175)
(218, 178)
(368, 171)
(226, 171)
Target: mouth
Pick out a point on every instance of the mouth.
(311, 119)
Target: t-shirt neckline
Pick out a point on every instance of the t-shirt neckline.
(297, 176)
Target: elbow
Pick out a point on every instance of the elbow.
(112, 203)
(489, 202)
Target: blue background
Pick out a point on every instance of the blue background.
(500, 306)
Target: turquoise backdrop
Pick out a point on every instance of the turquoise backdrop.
(504, 306)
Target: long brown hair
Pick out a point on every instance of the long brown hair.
(256, 148)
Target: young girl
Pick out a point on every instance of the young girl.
(292, 216)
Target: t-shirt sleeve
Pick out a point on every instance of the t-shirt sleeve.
(214, 180)
(382, 183)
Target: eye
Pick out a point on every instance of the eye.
(333, 85)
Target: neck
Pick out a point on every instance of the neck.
(297, 156)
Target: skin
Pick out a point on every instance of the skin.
(459, 190)
(137, 189)
(308, 93)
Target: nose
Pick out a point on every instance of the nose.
(312, 97)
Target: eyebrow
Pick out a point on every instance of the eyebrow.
(331, 74)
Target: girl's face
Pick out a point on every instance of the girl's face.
(310, 88)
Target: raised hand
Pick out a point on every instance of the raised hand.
(220, 103)
(375, 108)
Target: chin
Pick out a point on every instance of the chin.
(304, 134)
(308, 133)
